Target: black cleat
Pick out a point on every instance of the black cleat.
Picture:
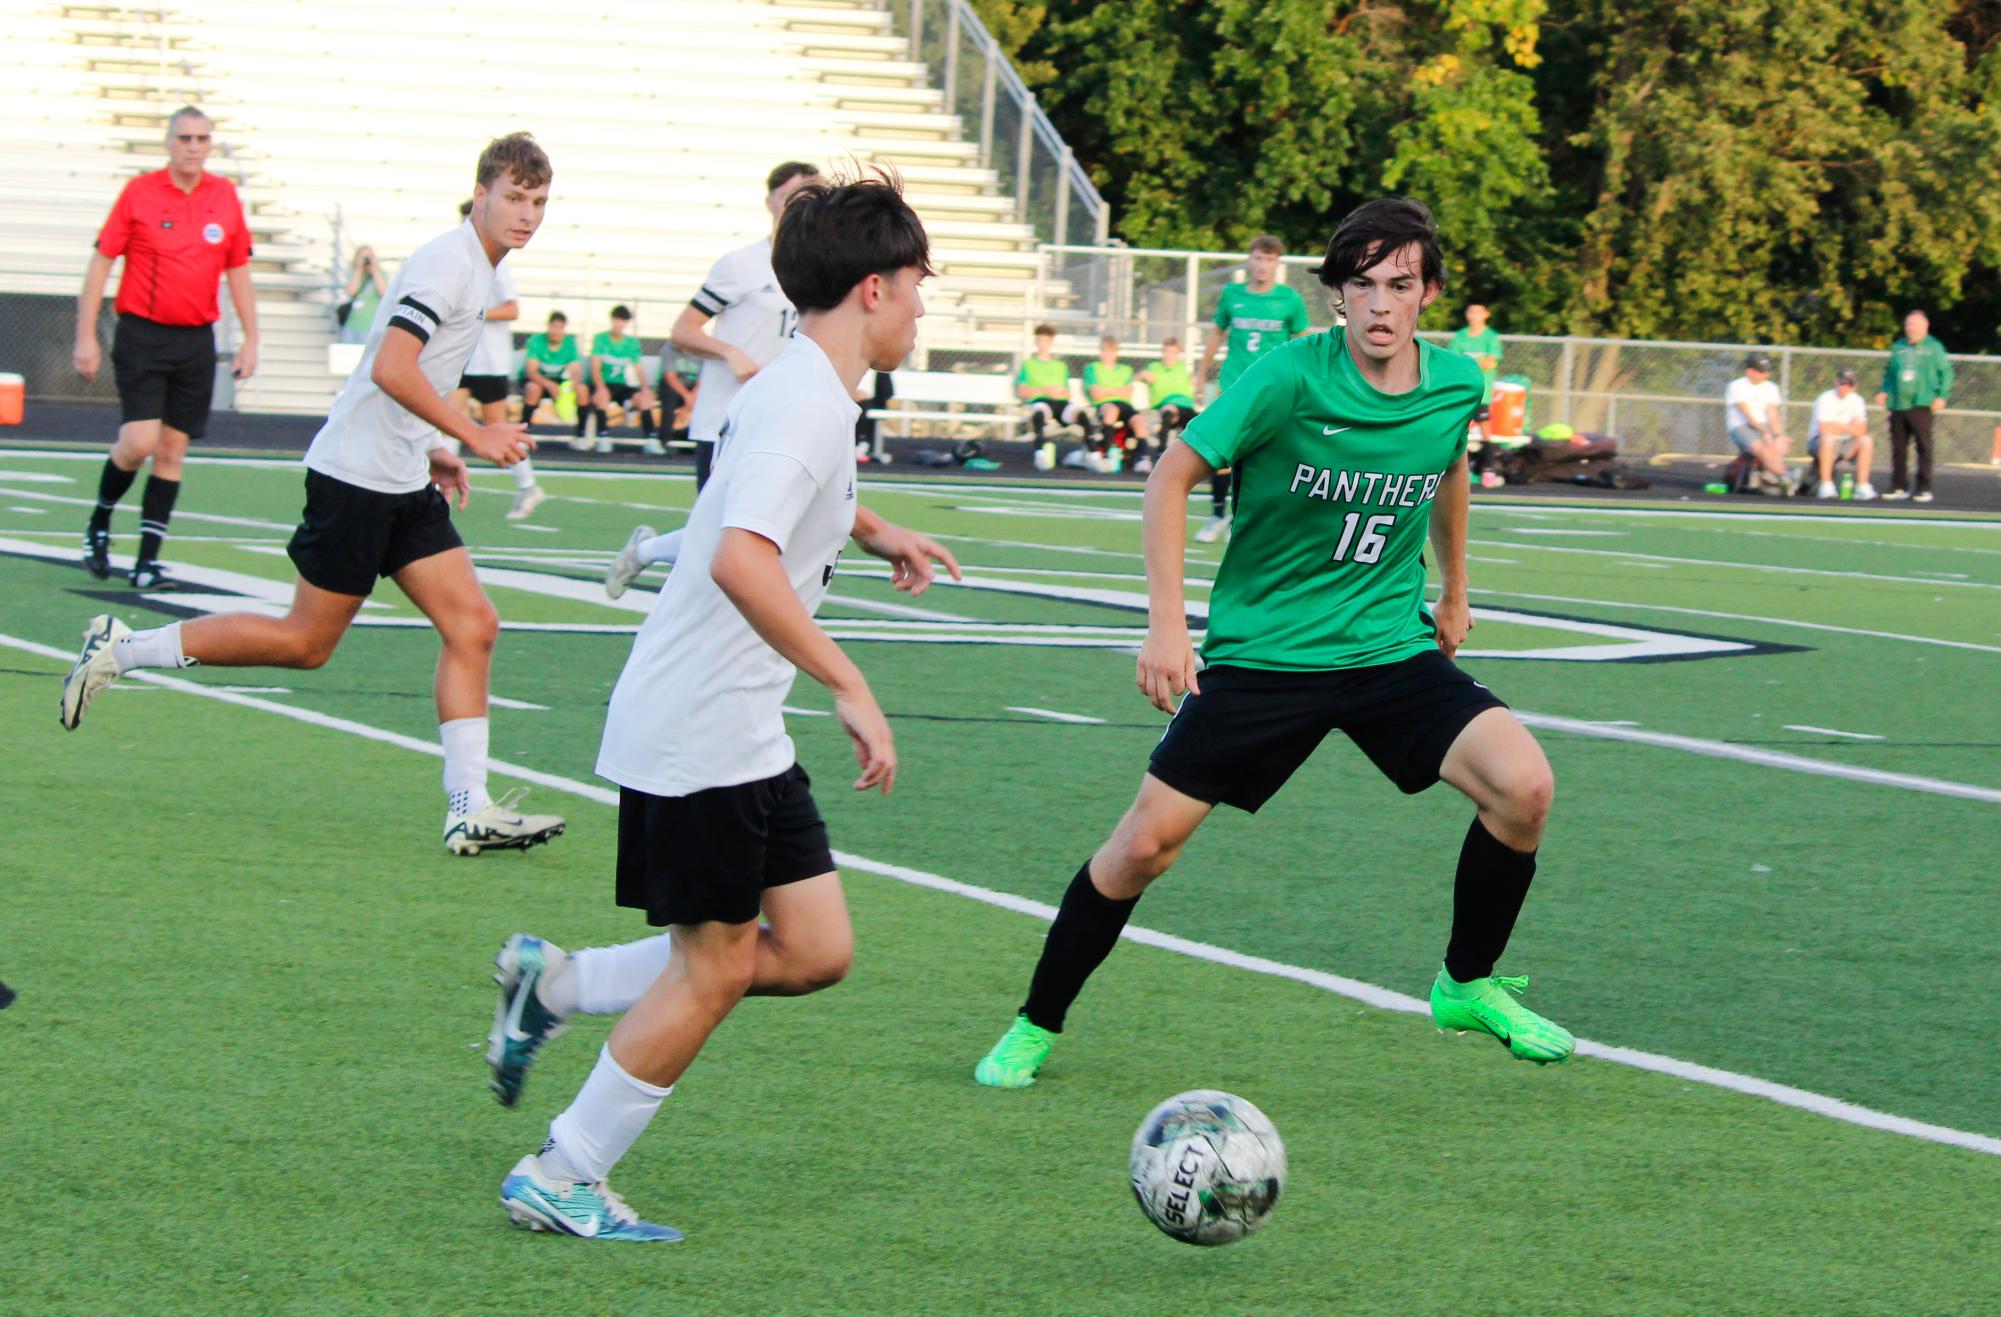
(97, 553)
(150, 576)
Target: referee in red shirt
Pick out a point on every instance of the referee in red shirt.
(180, 231)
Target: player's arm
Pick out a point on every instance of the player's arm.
(508, 310)
(88, 356)
(908, 551)
(1944, 381)
(1448, 544)
(747, 569)
(1167, 660)
(396, 373)
(244, 299)
(692, 336)
(1210, 347)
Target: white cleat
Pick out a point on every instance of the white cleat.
(1826, 489)
(1216, 528)
(525, 503)
(95, 668)
(1864, 493)
(653, 448)
(625, 568)
(498, 825)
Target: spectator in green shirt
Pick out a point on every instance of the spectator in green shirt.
(1108, 384)
(617, 377)
(1917, 381)
(549, 360)
(1170, 386)
(1043, 385)
(1476, 340)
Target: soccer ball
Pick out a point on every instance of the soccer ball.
(1207, 1167)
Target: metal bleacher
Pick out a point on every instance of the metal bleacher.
(359, 122)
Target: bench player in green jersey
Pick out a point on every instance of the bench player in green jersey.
(1256, 316)
(1043, 385)
(1170, 386)
(1343, 443)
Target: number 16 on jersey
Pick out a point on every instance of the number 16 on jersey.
(1369, 546)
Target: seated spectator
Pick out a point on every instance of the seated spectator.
(1043, 384)
(549, 361)
(616, 377)
(680, 382)
(1839, 431)
(1170, 387)
(1752, 414)
(365, 286)
(874, 396)
(1108, 384)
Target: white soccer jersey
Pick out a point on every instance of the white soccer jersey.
(441, 296)
(1748, 404)
(751, 313)
(699, 702)
(495, 353)
(1831, 408)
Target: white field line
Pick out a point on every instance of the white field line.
(1053, 714)
(1746, 617)
(1625, 558)
(805, 713)
(1829, 731)
(1354, 989)
(506, 703)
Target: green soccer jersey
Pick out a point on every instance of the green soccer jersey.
(1325, 567)
(1257, 323)
(1048, 379)
(1486, 343)
(553, 360)
(618, 358)
(1170, 386)
(1119, 378)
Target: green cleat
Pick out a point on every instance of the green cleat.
(1017, 1057)
(1489, 1006)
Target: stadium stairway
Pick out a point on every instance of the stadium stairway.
(359, 122)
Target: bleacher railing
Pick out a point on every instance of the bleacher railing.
(1017, 141)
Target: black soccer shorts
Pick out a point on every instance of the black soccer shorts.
(348, 536)
(164, 373)
(1251, 728)
(710, 855)
(486, 389)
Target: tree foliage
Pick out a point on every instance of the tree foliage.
(1786, 171)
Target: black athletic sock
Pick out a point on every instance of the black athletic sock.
(1493, 882)
(1087, 924)
(1219, 493)
(1037, 420)
(646, 422)
(705, 459)
(156, 509)
(111, 486)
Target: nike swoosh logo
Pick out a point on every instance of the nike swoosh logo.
(1337, 429)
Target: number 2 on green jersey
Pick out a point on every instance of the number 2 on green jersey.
(1374, 535)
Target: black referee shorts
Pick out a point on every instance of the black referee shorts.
(1251, 728)
(165, 373)
(710, 855)
(349, 536)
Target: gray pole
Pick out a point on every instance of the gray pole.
(1023, 145)
(952, 59)
(987, 114)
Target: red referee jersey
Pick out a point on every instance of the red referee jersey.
(176, 245)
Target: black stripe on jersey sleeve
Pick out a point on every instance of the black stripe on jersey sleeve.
(410, 327)
(709, 302)
(416, 305)
(412, 315)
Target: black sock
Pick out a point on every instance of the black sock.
(1493, 882)
(111, 486)
(1087, 924)
(156, 509)
(1219, 493)
(646, 422)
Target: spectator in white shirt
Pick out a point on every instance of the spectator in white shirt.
(1752, 412)
(1840, 430)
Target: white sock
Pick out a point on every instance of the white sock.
(465, 763)
(610, 1112)
(608, 980)
(159, 648)
(662, 548)
(524, 474)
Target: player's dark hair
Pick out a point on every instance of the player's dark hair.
(554, 316)
(1174, 339)
(1108, 342)
(1266, 242)
(514, 156)
(835, 234)
(1045, 331)
(621, 312)
(1372, 231)
(465, 208)
(788, 171)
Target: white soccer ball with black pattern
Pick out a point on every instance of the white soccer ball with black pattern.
(1207, 1167)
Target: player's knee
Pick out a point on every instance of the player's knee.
(1146, 852)
(311, 649)
(827, 966)
(477, 628)
(1527, 796)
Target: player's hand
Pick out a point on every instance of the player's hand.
(1167, 667)
(1938, 404)
(911, 555)
(503, 444)
(1455, 618)
(449, 474)
(246, 360)
(87, 358)
(875, 749)
(1882, 398)
(741, 364)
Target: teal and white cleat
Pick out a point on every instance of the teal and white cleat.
(521, 1023)
(570, 1207)
(498, 825)
(625, 568)
(95, 668)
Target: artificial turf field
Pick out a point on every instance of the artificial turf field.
(244, 1072)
